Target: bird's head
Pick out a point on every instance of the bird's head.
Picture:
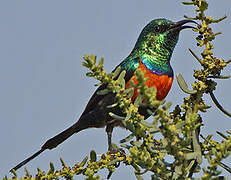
(159, 38)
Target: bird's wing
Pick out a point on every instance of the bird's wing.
(129, 66)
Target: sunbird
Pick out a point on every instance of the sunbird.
(151, 54)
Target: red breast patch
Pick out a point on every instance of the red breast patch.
(162, 83)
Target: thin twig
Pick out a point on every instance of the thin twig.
(189, 18)
(228, 61)
(218, 104)
(220, 19)
(227, 168)
(220, 77)
(194, 55)
(192, 169)
(196, 147)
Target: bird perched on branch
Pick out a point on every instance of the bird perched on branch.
(151, 54)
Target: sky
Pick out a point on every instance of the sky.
(44, 88)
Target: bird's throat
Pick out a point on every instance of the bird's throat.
(157, 64)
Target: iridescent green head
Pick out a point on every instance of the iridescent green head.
(159, 38)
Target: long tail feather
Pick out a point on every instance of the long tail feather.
(53, 142)
(27, 160)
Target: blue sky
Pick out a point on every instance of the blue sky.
(43, 84)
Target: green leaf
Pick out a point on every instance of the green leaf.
(151, 113)
(129, 92)
(92, 58)
(190, 156)
(113, 162)
(188, 3)
(125, 146)
(114, 147)
(13, 172)
(142, 164)
(128, 138)
(147, 124)
(135, 166)
(139, 177)
(154, 148)
(203, 6)
(129, 126)
(101, 61)
(27, 172)
(197, 147)
(184, 87)
(103, 92)
(227, 168)
(85, 64)
(187, 169)
(220, 19)
(89, 74)
(93, 156)
(155, 126)
(52, 168)
(138, 100)
(83, 162)
(222, 135)
(179, 126)
(39, 171)
(112, 105)
(203, 108)
(141, 173)
(116, 72)
(63, 163)
(136, 143)
(121, 79)
(178, 169)
(116, 116)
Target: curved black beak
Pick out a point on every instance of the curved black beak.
(178, 26)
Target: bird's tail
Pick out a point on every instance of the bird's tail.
(58, 139)
(53, 142)
(27, 160)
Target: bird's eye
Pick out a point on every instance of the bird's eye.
(157, 29)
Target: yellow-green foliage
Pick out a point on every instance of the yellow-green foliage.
(174, 133)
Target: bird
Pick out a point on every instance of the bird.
(152, 53)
